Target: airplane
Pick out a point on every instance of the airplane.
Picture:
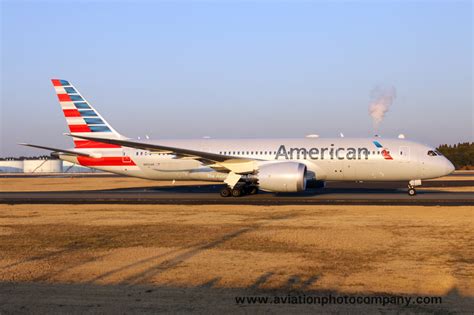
(244, 165)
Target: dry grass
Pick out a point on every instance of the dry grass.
(395, 249)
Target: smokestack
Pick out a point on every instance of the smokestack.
(381, 100)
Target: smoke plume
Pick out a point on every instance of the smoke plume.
(381, 100)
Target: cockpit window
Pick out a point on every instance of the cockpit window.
(438, 153)
(432, 153)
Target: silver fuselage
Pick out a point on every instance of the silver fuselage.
(328, 159)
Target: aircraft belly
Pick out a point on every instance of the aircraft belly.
(178, 169)
(383, 170)
(210, 175)
(170, 165)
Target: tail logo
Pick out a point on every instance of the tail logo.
(80, 116)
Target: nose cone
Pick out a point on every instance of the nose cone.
(449, 167)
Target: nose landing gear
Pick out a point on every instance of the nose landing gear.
(411, 186)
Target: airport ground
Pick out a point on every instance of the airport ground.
(457, 189)
(104, 181)
(123, 258)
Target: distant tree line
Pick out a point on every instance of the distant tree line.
(461, 154)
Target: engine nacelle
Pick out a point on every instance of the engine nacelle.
(282, 177)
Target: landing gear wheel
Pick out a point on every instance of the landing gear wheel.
(225, 192)
(236, 192)
(253, 190)
(411, 191)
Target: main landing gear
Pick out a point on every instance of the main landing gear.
(226, 191)
(239, 190)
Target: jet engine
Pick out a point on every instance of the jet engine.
(282, 177)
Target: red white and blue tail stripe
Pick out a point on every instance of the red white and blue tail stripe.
(81, 117)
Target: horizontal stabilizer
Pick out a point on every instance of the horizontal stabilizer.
(56, 150)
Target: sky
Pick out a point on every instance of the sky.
(238, 69)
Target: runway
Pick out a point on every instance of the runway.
(341, 193)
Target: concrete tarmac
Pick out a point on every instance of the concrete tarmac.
(348, 193)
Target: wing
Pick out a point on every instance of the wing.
(56, 150)
(236, 164)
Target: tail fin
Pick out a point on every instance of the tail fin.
(82, 118)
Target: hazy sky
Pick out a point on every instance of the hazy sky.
(239, 69)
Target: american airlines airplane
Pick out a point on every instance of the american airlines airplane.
(245, 165)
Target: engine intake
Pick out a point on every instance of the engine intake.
(282, 177)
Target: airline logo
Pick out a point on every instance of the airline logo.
(386, 155)
(80, 116)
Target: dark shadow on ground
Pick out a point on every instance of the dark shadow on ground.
(210, 297)
(342, 187)
(335, 193)
(330, 188)
(215, 189)
(178, 257)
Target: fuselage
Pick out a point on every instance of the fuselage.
(244, 165)
(327, 159)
